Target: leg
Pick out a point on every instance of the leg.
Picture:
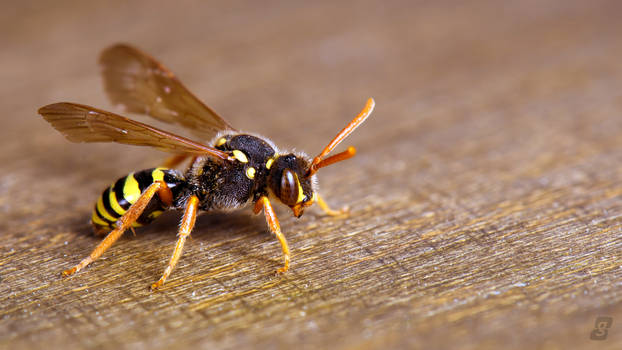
(187, 223)
(273, 224)
(123, 224)
(327, 209)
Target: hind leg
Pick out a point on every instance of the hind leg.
(123, 223)
(187, 223)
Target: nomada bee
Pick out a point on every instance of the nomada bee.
(230, 172)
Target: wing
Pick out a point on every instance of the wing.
(80, 123)
(143, 85)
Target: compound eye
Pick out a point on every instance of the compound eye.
(289, 188)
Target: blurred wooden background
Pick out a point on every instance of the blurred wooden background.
(486, 194)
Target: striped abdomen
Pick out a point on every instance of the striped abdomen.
(117, 198)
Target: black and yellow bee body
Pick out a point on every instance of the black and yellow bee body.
(235, 170)
(255, 171)
(117, 199)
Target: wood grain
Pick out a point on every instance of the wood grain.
(485, 197)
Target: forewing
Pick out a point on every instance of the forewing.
(80, 123)
(143, 85)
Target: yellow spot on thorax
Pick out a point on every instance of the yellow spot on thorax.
(250, 173)
(269, 163)
(239, 155)
(221, 141)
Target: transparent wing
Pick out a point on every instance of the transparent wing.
(80, 123)
(143, 85)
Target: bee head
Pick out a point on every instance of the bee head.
(292, 177)
(289, 183)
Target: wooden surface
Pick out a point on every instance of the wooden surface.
(485, 198)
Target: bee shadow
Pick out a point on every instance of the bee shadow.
(209, 225)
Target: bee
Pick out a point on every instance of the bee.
(234, 169)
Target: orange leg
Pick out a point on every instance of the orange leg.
(187, 223)
(273, 224)
(327, 209)
(123, 223)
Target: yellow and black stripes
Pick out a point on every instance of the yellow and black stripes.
(117, 199)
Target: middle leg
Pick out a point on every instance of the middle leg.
(187, 223)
